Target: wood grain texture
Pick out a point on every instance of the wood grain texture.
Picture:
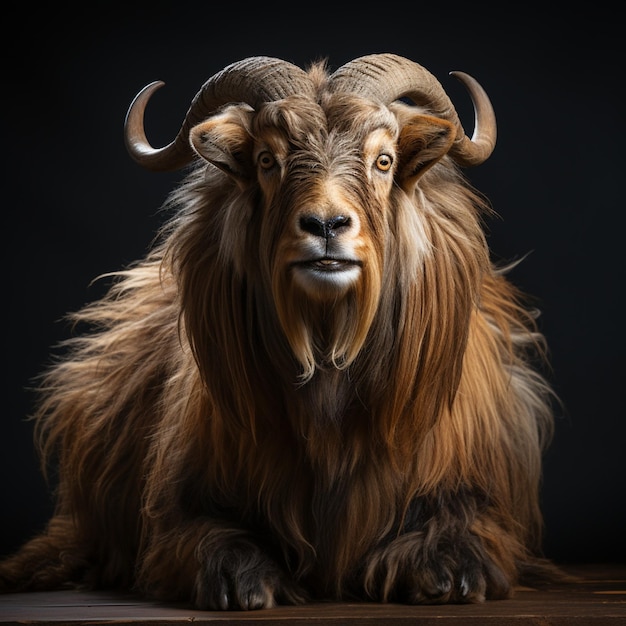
(598, 598)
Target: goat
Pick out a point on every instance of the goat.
(316, 384)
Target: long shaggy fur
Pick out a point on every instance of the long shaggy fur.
(238, 430)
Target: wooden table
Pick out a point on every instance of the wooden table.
(599, 598)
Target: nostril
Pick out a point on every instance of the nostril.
(323, 228)
(313, 225)
(336, 223)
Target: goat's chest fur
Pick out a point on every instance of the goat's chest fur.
(314, 479)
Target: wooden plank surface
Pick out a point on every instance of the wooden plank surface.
(599, 599)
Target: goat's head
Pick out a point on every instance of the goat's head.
(325, 158)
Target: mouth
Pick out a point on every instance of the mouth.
(326, 276)
(328, 264)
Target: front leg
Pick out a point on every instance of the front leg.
(439, 557)
(235, 573)
(215, 567)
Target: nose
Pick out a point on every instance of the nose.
(324, 228)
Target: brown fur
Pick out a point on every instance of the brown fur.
(235, 433)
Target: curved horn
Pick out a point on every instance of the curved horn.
(388, 77)
(254, 80)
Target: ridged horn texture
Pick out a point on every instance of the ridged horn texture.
(388, 77)
(253, 80)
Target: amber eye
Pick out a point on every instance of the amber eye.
(266, 160)
(384, 162)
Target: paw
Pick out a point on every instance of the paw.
(454, 570)
(243, 577)
(442, 579)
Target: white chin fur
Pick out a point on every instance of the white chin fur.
(319, 282)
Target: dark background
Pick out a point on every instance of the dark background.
(75, 205)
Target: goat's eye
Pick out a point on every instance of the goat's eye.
(266, 160)
(384, 162)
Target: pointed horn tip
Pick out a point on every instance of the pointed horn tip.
(483, 140)
(139, 148)
(143, 96)
(476, 90)
(464, 77)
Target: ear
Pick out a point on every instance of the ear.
(422, 142)
(224, 141)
